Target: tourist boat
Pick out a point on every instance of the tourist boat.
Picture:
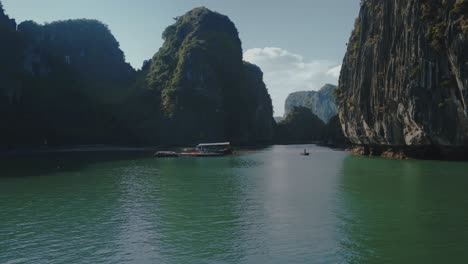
(210, 150)
(201, 150)
(219, 148)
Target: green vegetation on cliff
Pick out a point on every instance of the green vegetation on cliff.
(300, 125)
(204, 90)
(67, 83)
(70, 77)
(84, 47)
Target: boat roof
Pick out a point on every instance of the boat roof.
(214, 144)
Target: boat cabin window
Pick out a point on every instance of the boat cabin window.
(213, 147)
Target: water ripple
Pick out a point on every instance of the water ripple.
(267, 206)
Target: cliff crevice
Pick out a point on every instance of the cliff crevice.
(404, 78)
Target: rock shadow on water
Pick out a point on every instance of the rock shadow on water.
(37, 164)
(411, 211)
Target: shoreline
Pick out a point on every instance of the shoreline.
(439, 153)
(150, 149)
(72, 149)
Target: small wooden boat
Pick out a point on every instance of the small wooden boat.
(305, 153)
(165, 154)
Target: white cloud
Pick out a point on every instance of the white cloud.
(335, 72)
(286, 72)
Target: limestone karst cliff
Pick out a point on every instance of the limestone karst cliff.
(321, 102)
(67, 83)
(85, 47)
(404, 78)
(300, 126)
(10, 58)
(204, 90)
(61, 83)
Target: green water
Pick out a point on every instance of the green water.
(265, 206)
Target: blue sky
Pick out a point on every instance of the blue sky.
(299, 44)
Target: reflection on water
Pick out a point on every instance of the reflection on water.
(403, 211)
(199, 210)
(266, 206)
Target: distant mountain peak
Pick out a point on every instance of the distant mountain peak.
(321, 102)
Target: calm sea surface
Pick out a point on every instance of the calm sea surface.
(265, 206)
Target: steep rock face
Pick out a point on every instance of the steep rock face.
(278, 119)
(63, 83)
(67, 83)
(10, 76)
(255, 107)
(333, 134)
(85, 47)
(205, 91)
(405, 75)
(322, 102)
(10, 57)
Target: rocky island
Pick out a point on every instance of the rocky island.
(61, 84)
(321, 102)
(311, 116)
(403, 84)
(67, 83)
(203, 88)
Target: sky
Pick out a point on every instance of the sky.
(299, 44)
